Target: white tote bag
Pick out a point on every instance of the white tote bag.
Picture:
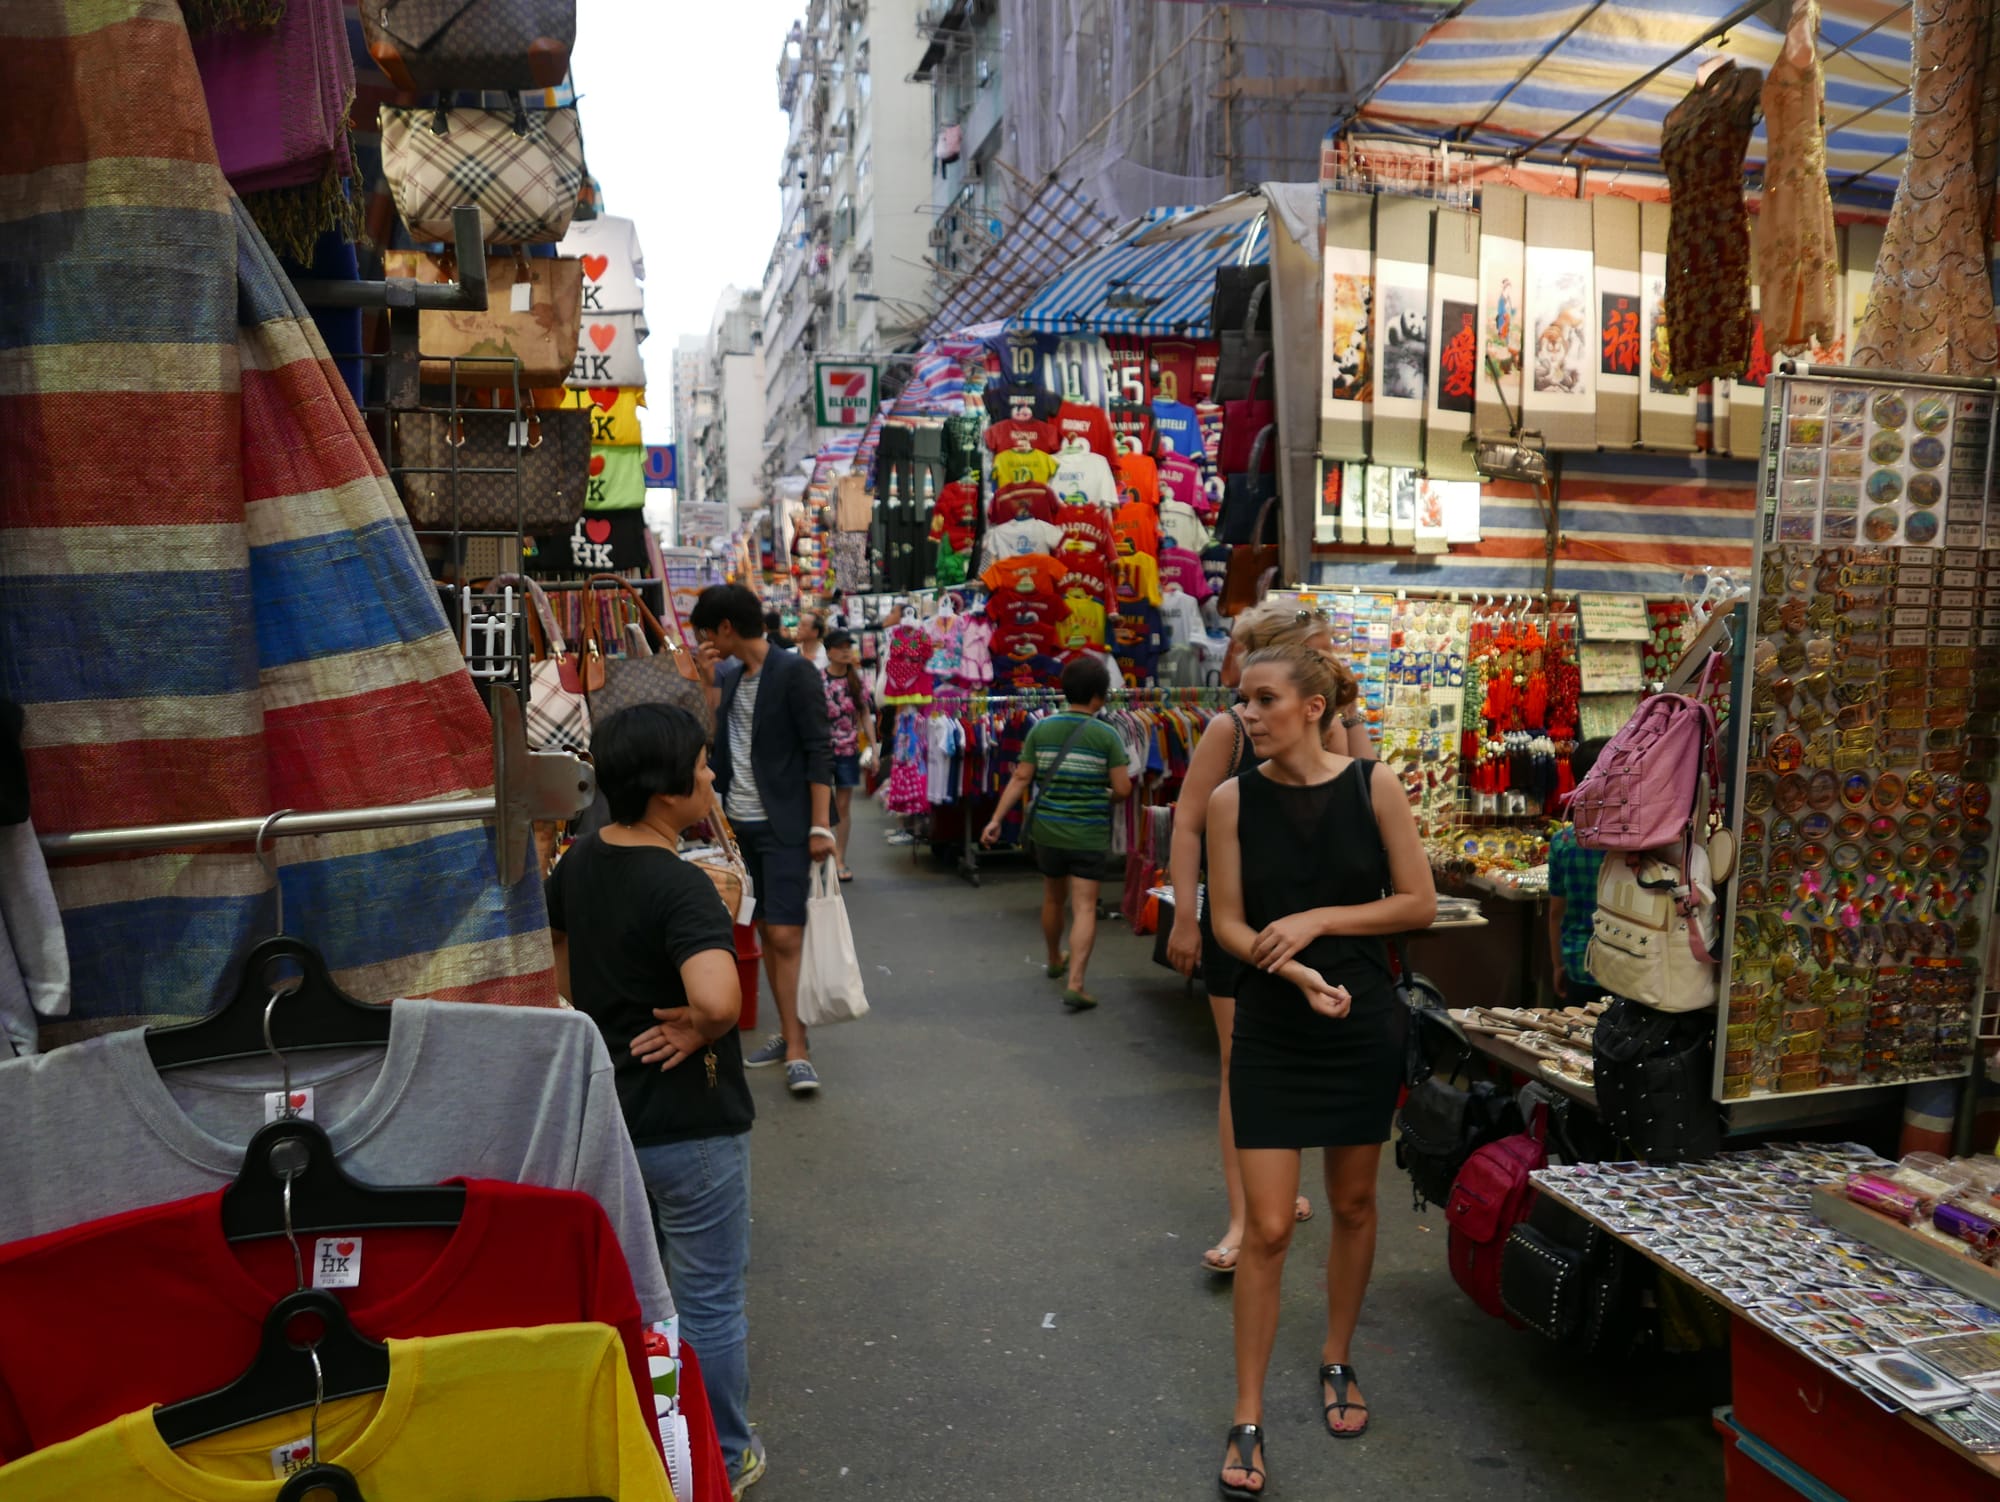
(829, 973)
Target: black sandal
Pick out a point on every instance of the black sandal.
(1348, 1378)
(1243, 1442)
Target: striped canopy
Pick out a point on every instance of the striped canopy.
(1156, 277)
(1506, 73)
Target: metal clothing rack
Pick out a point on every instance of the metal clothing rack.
(527, 786)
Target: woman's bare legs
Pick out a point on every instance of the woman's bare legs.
(1350, 1191)
(1270, 1188)
(843, 806)
(1222, 1256)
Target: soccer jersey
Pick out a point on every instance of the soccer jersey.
(1000, 436)
(1132, 428)
(1077, 420)
(1135, 529)
(1012, 539)
(1180, 479)
(1016, 468)
(1083, 626)
(1138, 479)
(1083, 476)
(1179, 427)
(1174, 370)
(1138, 580)
(1033, 573)
(1081, 368)
(1027, 499)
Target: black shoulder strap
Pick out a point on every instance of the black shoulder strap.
(1062, 755)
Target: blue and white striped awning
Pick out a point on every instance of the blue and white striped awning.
(1506, 73)
(1151, 279)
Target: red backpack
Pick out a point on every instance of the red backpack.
(1488, 1198)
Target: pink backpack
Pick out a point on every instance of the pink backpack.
(1641, 794)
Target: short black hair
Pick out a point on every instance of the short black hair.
(838, 637)
(646, 750)
(1584, 757)
(728, 602)
(818, 620)
(1085, 678)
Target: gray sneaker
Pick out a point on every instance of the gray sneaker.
(750, 1472)
(770, 1051)
(801, 1078)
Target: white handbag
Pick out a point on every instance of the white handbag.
(1653, 937)
(830, 987)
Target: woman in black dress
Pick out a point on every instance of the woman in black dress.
(1298, 869)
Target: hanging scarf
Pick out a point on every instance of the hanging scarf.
(278, 101)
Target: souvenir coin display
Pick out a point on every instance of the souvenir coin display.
(1858, 914)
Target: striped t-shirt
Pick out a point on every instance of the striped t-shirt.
(1073, 803)
(746, 805)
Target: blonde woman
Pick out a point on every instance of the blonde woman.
(1314, 858)
(1223, 752)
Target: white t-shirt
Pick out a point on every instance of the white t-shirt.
(1181, 616)
(607, 351)
(612, 264)
(1180, 525)
(746, 804)
(1018, 538)
(1083, 478)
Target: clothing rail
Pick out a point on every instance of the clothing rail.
(527, 786)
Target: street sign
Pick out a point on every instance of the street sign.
(703, 518)
(843, 395)
(660, 467)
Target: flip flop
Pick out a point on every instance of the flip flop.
(1302, 1210)
(846, 876)
(1210, 1259)
(1059, 969)
(1078, 1001)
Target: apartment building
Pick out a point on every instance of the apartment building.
(849, 273)
(961, 65)
(719, 407)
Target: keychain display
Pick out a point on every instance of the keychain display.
(1857, 905)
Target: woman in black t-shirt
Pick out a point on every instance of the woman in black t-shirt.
(644, 947)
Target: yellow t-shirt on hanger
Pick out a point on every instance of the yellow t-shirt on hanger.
(1031, 468)
(546, 1412)
(611, 426)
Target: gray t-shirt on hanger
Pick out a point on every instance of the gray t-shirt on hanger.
(517, 1093)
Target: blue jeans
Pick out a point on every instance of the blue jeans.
(700, 1193)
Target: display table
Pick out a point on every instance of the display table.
(1807, 1408)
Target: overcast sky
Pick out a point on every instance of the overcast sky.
(681, 126)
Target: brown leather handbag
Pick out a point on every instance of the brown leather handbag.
(669, 676)
(1252, 568)
(542, 336)
(430, 45)
(457, 471)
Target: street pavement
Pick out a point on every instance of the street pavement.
(976, 1260)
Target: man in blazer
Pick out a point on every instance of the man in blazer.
(773, 762)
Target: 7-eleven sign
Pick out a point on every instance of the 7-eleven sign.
(843, 395)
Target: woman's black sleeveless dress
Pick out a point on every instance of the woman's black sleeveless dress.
(1298, 1078)
(1221, 971)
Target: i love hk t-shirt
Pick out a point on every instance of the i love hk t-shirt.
(545, 1412)
(614, 413)
(607, 351)
(613, 266)
(72, 1356)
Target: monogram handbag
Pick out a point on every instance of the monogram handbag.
(558, 717)
(471, 458)
(722, 863)
(543, 336)
(425, 46)
(667, 677)
(522, 169)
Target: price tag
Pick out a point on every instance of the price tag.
(523, 298)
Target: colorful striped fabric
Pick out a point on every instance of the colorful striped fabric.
(211, 604)
(1507, 72)
(1631, 523)
(1143, 283)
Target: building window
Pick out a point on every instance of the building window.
(840, 309)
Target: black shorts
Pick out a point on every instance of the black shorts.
(779, 875)
(1054, 862)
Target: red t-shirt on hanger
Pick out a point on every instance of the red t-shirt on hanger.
(189, 1306)
(1075, 420)
(1000, 437)
(1025, 499)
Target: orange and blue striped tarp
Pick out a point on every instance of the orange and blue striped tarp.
(211, 603)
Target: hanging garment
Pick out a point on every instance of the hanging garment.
(294, 653)
(1708, 241)
(517, 1093)
(34, 960)
(1798, 252)
(468, 1415)
(1931, 309)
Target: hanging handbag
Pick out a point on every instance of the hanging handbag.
(830, 987)
(721, 861)
(1241, 317)
(522, 170)
(425, 46)
(668, 677)
(485, 470)
(473, 348)
(1246, 495)
(1251, 567)
(558, 714)
(1243, 423)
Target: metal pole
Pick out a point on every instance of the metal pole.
(283, 826)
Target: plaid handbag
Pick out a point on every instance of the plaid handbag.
(430, 45)
(558, 717)
(472, 458)
(522, 170)
(668, 677)
(543, 336)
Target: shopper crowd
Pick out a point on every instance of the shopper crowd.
(1307, 848)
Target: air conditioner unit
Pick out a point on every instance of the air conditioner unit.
(864, 262)
(940, 236)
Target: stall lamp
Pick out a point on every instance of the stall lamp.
(1518, 458)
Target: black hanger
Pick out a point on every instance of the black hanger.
(315, 1014)
(282, 1378)
(298, 1153)
(321, 1481)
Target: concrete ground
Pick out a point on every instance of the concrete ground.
(975, 1268)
